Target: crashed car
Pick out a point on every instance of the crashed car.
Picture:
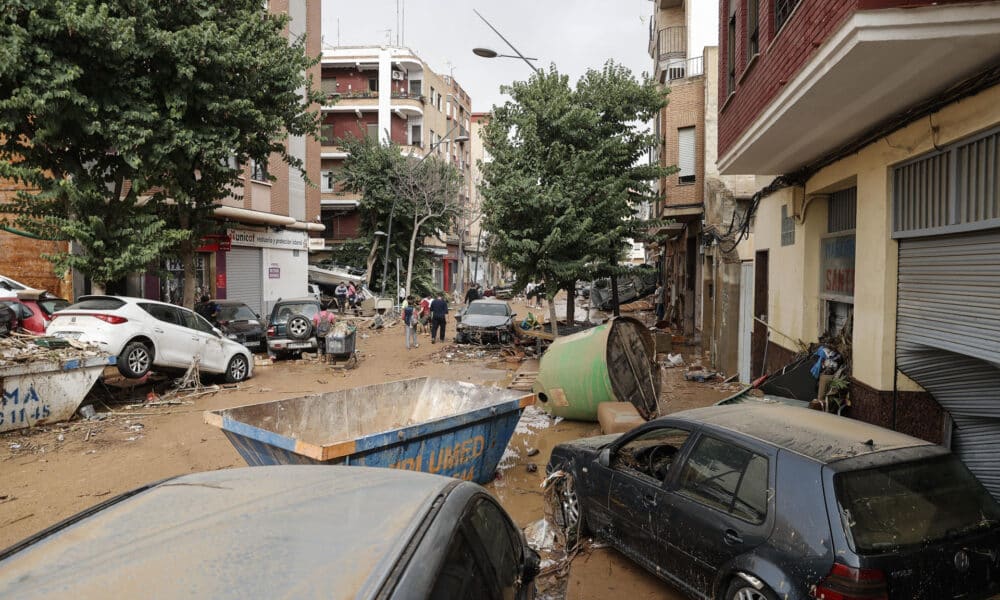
(290, 329)
(241, 324)
(297, 531)
(485, 322)
(766, 501)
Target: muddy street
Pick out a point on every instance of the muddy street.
(50, 473)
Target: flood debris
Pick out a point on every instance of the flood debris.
(21, 348)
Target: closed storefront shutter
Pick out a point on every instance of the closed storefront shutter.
(948, 337)
(244, 277)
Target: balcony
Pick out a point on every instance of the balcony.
(682, 69)
(367, 100)
(671, 42)
(874, 66)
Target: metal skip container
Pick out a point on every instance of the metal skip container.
(613, 362)
(43, 392)
(445, 427)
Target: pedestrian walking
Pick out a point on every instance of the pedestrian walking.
(341, 293)
(424, 315)
(410, 323)
(472, 294)
(439, 316)
(323, 322)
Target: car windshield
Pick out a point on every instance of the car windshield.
(235, 312)
(97, 304)
(912, 504)
(285, 311)
(488, 309)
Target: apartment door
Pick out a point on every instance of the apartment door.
(758, 339)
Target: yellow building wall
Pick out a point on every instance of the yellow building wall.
(794, 270)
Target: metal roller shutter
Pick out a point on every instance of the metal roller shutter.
(948, 337)
(244, 276)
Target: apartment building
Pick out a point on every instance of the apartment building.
(390, 93)
(883, 117)
(697, 253)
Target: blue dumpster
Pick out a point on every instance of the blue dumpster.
(432, 425)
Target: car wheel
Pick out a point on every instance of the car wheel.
(135, 360)
(299, 327)
(238, 369)
(740, 589)
(570, 509)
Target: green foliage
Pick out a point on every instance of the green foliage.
(109, 107)
(562, 190)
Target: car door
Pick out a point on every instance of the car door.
(637, 501)
(207, 344)
(722, 499)
(173, 343)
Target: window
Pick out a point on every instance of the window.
(787, 227)
(329, 86)
(326, 134)
(373, 84)
(685, 154)
(161, 313)
(416, 87)
(731, 49)
(258, 170)
(753, 29)
(727, 477)
(416, 135)
(782, 10)
(494, 533)
(461, 576)
(652, 453)
(371, 130)
(326, 181)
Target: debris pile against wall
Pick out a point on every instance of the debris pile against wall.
(25, 348)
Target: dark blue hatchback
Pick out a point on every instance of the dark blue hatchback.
(766, 501)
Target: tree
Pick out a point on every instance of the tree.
(427, 191)
(133, 119)
(562, 190)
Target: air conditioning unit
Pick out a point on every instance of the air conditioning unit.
(397, 75)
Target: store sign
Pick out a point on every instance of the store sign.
(215, 242)
(274, 271)
(220, 281)
(317, 244)
(837, 266)
(284, 240)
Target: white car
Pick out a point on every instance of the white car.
(144, 334)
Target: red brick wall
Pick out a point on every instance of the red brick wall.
(21, 257)
(357, 80)
(348, 125)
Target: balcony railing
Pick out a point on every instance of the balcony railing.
(396, 95)
(682, 69)
(671, 42)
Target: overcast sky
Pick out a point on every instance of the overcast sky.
(574, 34)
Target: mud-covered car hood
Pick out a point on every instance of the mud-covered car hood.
(592, 443)
(485, 321)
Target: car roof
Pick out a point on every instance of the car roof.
(488, 301)
(288, 531)
(128, 300)
(229, 302)
(293, 300)
(821, 436)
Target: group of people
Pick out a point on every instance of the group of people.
(420, 314)
(348, 296)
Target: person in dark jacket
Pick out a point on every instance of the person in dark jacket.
(472, 295)
(439, 316)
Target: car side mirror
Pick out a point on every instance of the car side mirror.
(604, 457)
(217, 331)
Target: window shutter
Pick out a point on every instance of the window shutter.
(685, 151)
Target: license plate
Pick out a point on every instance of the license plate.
(251, 344)
(294, 345)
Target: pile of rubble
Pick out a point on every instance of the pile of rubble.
(22, 348)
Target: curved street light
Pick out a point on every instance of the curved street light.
(490, 53)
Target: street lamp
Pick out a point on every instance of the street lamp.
(392, 213)
(490, 53)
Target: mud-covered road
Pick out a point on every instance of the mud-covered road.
(50, 473)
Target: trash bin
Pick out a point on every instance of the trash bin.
(340, 342)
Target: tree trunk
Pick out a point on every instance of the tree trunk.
(370, 265)
(186, 252)
(552, 316)
(570, 303)
(413, 246)
(614, 295)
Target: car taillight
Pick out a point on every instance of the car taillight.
(270, 331)
(113, 319)
(851, 583)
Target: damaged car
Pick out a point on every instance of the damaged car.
(767, 501)
(485, 322)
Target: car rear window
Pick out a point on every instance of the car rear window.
(911, 504)
(238, 312)
(51, 305)
(97, 304)
(284, 312)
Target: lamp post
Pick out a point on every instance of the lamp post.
(489, 53)
(392, 213)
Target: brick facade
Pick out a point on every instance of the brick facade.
(21, 257)
(686, 109)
